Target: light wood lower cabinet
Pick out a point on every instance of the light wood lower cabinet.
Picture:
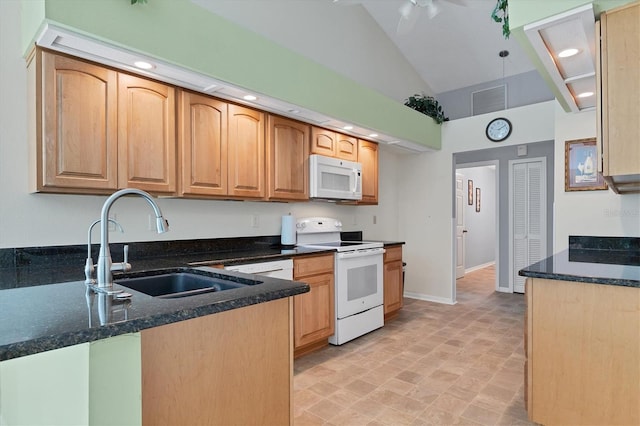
(393, 286)
(583, 352)
(230, 368)
(314, 312)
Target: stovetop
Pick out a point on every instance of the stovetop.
(342, 246)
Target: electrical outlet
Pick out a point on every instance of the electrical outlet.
(255, 221)
(355, 220)
(375, 219)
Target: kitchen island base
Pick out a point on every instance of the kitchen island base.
(231, 368)
(582, 342)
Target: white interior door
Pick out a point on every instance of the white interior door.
(527, 217)
(460, 231)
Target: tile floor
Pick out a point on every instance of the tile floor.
(434, 364)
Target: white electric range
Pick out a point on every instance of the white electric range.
(358, 277)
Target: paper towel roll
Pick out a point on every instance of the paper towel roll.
(288, 234)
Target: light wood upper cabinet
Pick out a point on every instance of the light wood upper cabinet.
(323, 142)
(287, 159)
(333, 144)
(77, 129)
(346, 147)
(246, 152)
(313, 312)
(146, 135)
(368, 157)
(203, 145)
(619, 103)
(393, 286)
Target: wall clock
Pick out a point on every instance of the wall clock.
(498, 129)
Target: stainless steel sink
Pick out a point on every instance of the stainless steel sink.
(178, 284)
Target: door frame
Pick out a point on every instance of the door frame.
(542, 160)
(463, 232)
(495, 163)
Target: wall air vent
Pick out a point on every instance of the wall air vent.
(489, 100)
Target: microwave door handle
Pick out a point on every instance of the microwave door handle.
(355, 180)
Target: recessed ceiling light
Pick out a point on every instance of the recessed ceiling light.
(373, 135)
(568, 52)
(249, 98)
(143, 65)
(585, 94)
(348, 127)
(294, 111)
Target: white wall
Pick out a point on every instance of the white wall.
(49, 219)
(600, 213)
(426, 197)
(426, 188)
(480, 244)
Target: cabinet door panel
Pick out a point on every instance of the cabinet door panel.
(368, 157)
(620, 85)
(392, 286)
(146, 135)
(203, 145)
(323, 142)
(347, 147)
(79, 137)
(314, 311)
(288, 159)
(246, 152)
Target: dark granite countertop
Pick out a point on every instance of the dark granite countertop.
(44, 304)
(611, 265)
(46, 317)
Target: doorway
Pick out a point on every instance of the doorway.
(477, 218)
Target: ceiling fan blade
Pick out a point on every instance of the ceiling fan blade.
(409, 14)
(432, 9)
(347, 2)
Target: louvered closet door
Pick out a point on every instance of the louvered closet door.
(528, 201)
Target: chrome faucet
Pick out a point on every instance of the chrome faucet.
(105, 265)
(89, 267)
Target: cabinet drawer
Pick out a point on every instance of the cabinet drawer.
(393, 253)
(312, 265)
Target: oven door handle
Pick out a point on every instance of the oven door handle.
(359, 253)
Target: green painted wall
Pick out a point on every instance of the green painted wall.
(182, 33)
(115, 384)
(48, 388)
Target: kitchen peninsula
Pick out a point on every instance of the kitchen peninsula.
(70, 356)
(582, 334)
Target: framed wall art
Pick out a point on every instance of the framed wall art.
(470, 192)
(477, 199)
(580, 166)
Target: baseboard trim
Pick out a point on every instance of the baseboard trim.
(475, 268)
(427, 298)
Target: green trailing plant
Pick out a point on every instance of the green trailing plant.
(428, 106)
(501, 14)
(138, 1)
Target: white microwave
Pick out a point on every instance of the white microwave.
(334, 179)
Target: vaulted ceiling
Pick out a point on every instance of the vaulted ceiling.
(458, 47)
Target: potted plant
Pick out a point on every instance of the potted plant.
(428, 106)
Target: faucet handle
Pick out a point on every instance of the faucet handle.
(123, 266)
